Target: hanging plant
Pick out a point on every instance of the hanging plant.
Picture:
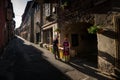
(57, 30)
(49, 18)
(95, 29)
(65, 4)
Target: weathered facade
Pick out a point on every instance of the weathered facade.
(49, 23)
(37, 20)
(72, 19)
(10, 22)
(6, 23)
(108, 42)
(26, 28)
(31, 22)
(102, 13)
(55, 17)
(2, 25)
(45, 22)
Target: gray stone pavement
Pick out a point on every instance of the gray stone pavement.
(76, 69)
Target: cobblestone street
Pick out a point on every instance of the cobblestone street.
(26, 61)
(59, 39)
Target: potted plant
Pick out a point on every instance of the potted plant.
(95, 29)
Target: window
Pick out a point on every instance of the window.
(75, 40)
(47, 9)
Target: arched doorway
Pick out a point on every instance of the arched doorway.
(84, 44)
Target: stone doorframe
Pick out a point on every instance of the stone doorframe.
(117, 30)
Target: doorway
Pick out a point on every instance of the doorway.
(37, 37)
(118, 43)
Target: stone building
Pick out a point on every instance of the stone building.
(56, 20)
(107, 16)
(26, 27)
(45, 22)
(37, 20)
(10, 22)
(6, 23)
(49, 23)
(73, 23)
(30, 26)
(73, 19)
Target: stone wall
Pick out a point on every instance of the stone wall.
(36, 23)
(106, 43)
(86, 44)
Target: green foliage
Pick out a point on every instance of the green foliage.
(63, 5)
(93, 29)
(57, 30)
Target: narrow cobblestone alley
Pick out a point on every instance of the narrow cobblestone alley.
(83, 34)
(23, 61)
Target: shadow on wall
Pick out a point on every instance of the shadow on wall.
(107, 57)
(109, 33)
(111, 60)
(88, 68)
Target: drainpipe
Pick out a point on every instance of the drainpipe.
(41, 21)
